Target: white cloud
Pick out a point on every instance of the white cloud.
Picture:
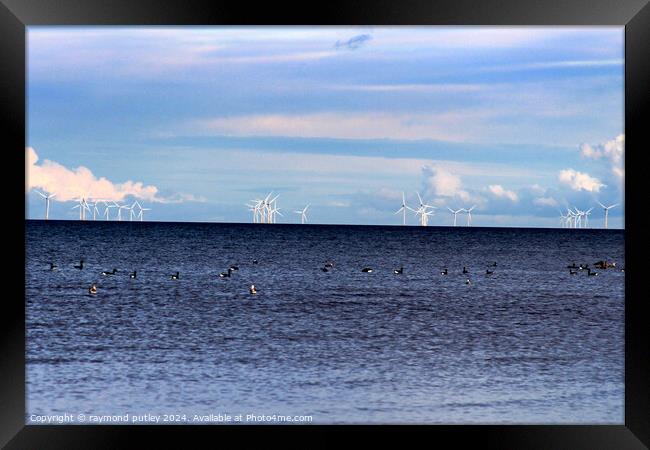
(545, 201)
(70, 184)
(613, 150)
(499, 191)
(579, 181)
(442, 183)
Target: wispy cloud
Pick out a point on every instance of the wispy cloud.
(354, 42)
(555, 65)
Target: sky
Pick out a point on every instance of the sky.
(194, 122)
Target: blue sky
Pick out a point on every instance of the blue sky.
(194, 122)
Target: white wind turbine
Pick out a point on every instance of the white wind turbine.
(469, 215)
(47, 198)
(586, 213)
(107, 209)
(422, 211)
(95, 209)
(403, 209)
(577, 219)
(119, 210)
(607, 208)
(132, 214)
(141, 215)
(83, 207)
(273, 209)
(303, 215)
(455, 213)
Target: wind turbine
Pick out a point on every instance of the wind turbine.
(303, 215)
(106, 209)
(422, 211)
(469, 215)
(47, 198)
(587, 212)
(133, 215)
(83, 206)
(455, 213)
(95, 209)
(403, 209)
(119, 210)
(607, 208)
(142, 210)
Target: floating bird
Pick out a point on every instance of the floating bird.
(80, 266)
(488, 272)
(53, 267)
(329, 264)
(255, 261)
(175, 276)
(106, 273)
(590, 273)
(92, 289)
(366, 270)
(252, 289)
(444, 271)
(133, 274)
(324, 269)
(399, 271)
(226, 274)
(465, 270)
(467, 281)
(234, 268)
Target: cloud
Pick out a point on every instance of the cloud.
(545, 201)
(579, 181)
(442, 183)
(70, 184)
(354, 42)
(499, 191)
(556, 65)
(613, 150)
(448, 126)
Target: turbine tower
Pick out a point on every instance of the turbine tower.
(83, 207)
(47, 198)
(469, 215)
(141, 215)
(403, 209)
(303, 215)
(455, 213)
(607, 208)
(422, 211)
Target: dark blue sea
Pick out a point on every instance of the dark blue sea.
(530, 343)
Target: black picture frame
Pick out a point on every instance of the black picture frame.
(16, 15)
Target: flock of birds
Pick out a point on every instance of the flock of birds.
(329, 265)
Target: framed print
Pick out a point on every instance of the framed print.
(381, 215)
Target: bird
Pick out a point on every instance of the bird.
(175, 276)
(255, 261)
(488, 272)
(444, 271)
(106, 273)
(329, 264)
(399, 271)
(465, 270)
(80, 266)
(366, 270)
(324, 269)
(226, 274)
(252, 289)
(92, 289)
(467, 281)
(133, 274)
(53, 266)
(590, 273)
(234, 268)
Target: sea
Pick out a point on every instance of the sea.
(530, 343)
